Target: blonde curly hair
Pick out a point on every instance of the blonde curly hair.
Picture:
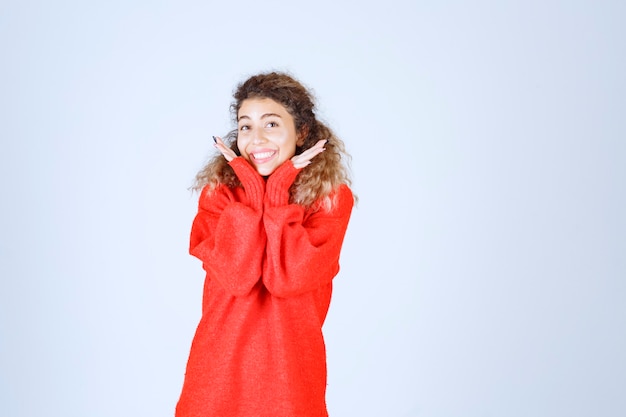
(314, 183)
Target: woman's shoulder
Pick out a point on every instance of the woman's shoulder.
(346, 198)
(338, 202)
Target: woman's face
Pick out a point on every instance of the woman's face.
(266, 135)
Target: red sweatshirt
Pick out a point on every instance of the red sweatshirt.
(258, 350)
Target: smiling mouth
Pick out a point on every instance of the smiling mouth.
(261, 156)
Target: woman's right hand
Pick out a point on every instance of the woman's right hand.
(228, 153)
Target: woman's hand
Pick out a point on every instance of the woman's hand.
(228, 153)
(304, 159)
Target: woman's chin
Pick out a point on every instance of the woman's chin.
(265, 171)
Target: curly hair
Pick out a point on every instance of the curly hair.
(314, 183)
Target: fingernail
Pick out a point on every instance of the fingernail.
(214, 139)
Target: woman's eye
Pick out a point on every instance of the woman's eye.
(272, 124)
(244, 127)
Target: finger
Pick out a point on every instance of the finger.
(318, 145)
(310, 154)
(313, 151)
(219, 142)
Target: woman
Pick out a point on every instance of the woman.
(273, 212)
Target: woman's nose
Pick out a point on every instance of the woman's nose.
(257, 136)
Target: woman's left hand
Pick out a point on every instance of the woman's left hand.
(304, 159)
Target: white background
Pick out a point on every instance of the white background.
(484, 270)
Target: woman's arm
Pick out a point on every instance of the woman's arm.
(302, 251)
(227, 234)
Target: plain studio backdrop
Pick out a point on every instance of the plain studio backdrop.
(484, 269)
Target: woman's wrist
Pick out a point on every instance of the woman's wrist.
(252, 182)
(279, 182)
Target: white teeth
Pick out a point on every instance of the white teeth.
(262, 155)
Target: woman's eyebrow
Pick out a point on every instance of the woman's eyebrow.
(262, 117)
(269, 115)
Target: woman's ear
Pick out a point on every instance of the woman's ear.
(302, 134)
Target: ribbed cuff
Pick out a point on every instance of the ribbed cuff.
(251, 181)
(277, 191)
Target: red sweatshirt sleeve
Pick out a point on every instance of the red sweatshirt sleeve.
(227, 234)
(302, 249)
